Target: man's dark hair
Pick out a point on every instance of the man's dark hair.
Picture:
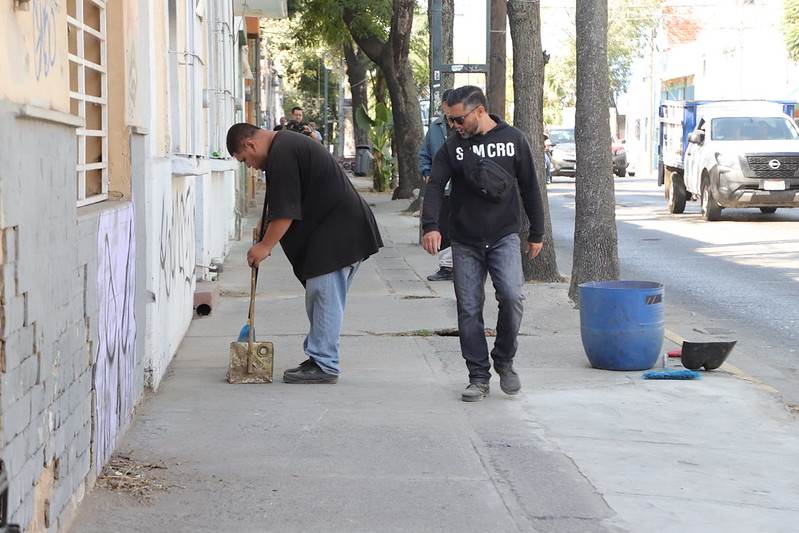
(296, 108)
(445, 95)
(238, 134)
(469, 95)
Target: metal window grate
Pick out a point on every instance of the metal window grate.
(88, 94)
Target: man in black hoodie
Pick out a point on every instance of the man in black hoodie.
(487, 162)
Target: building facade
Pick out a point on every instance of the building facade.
(116, 197)
(716, 50)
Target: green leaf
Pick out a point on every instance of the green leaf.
(383, 113)
(363, 119)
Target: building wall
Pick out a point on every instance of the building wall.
(95, 301)
(33, 65)
(724, 49)
(171, 267)
(64, 329)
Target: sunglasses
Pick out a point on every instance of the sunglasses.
(460, 119)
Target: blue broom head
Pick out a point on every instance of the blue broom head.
(672, 374)
(244, 334)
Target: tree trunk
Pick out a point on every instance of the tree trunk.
(380, 87)
(528, 113)
(497, 58)
(392, 58)
(359, 87)
(408, 131)
(447, 23)
(596, 255)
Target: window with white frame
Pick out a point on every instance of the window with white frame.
(186, 72)
(88, 95)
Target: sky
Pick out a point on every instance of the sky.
(469, 32)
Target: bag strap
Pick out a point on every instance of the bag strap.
(263, 213)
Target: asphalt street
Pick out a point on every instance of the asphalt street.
(737, 278)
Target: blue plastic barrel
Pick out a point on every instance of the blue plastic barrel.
(621, 323)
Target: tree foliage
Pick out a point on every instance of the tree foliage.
(790, 28)
(630, 26)
(380, 130)
(301, 67)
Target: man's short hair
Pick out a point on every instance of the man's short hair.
(238, 134)
(295, 108)
(445, 95)
(469, 95)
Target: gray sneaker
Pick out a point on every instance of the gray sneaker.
(509, 380)
(475, 392)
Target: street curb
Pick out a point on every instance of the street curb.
(727, 367)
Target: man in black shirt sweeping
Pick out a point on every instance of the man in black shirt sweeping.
(323, 225)
(487, 163)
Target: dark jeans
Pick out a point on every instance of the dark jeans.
(503, 261)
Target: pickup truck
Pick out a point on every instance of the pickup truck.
(729, 154)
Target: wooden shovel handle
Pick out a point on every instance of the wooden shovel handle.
(251, 314)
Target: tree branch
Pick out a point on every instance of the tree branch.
(371, 45)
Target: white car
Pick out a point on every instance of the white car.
(743, 155)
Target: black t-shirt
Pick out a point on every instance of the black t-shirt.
(332, 226)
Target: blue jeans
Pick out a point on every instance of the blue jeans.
(503, 261)
(325, 298)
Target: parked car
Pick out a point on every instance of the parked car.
(564, 155)
(619, 157)
(729, 154)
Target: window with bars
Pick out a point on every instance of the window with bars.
(88, 95)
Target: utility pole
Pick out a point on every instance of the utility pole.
(496, 58)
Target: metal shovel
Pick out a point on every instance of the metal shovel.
(251, 362)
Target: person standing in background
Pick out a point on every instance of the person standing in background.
(437, 133)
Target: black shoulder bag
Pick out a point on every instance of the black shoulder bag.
(486, 177)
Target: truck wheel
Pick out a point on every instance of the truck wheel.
(768, 210)
(711, 210)
(675, 193)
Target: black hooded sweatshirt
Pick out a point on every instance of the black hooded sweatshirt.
(473, 219)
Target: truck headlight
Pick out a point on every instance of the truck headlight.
(726, 160)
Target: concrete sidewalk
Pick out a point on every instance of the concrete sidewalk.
(392, 448)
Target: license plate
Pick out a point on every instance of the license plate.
(774, 185)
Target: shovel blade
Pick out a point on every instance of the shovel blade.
(263, 354)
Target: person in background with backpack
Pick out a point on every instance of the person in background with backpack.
(487, 163)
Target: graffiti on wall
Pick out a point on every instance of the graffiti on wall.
(115, 356)
(45, 37)
(133, 40)
(177, 243)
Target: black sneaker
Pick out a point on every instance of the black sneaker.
(475, 392)
(509, 380)
(305, 364)
(308, 373)
(443, 274)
